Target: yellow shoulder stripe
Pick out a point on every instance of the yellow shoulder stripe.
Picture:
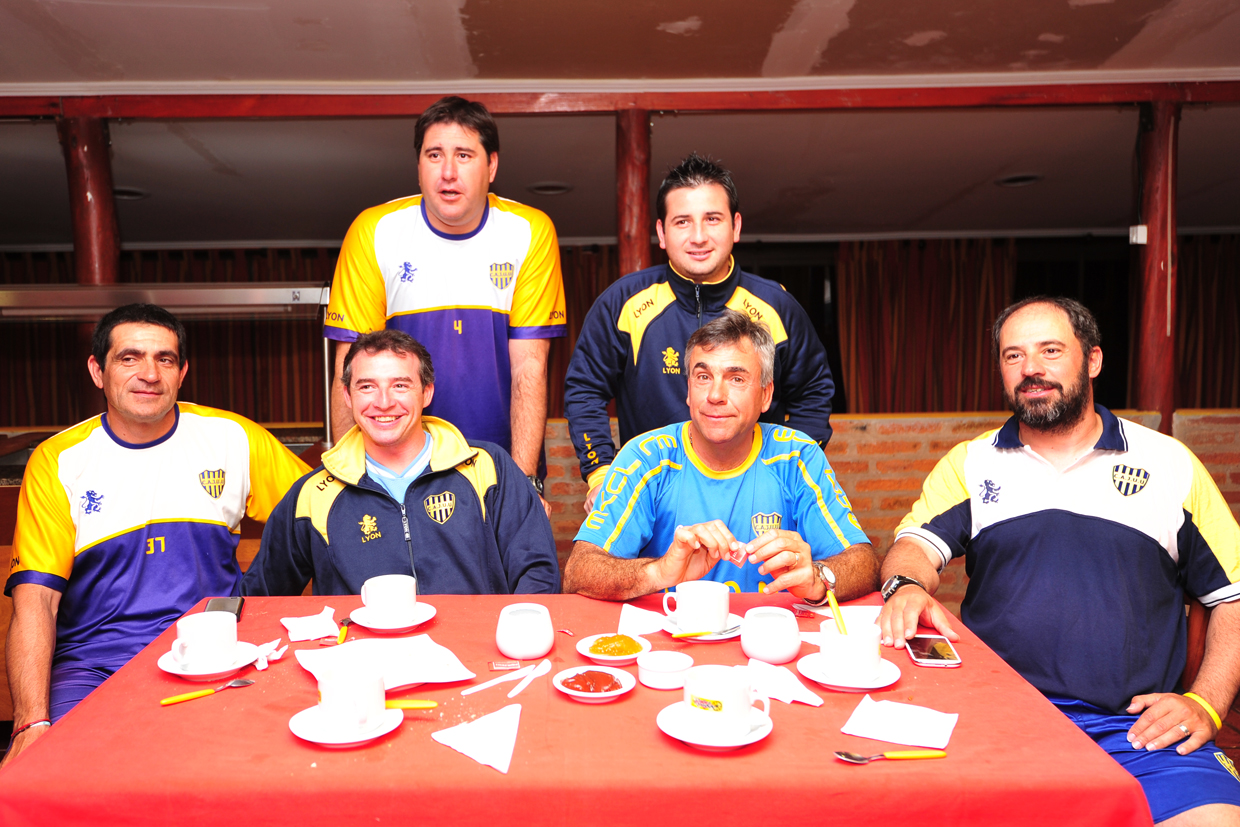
(640, 310)
(822, 505)
(480, 471)
(745, 302)
(316, 498)
(637, 490)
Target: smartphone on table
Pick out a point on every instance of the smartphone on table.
(932, 650)
(226, 604)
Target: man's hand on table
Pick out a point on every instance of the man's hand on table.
(23, 741)
(789, 558)
(907, 608)
(1159, 725)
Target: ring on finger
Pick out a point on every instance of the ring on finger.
(796, 558)
(1183, 729)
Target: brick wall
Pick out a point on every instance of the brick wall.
(1212, 436)
(881, 461)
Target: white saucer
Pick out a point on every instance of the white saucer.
(734, 621)
(310, 725)
(364, 616)
(811, 667)
(247, 653)
(680, 722)
(627, 682)
(583, 649)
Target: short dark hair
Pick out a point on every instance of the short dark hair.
(1084, 325)
(693, 172)
(101, 339)
(730, 329)
(454, 109)
(390, 341)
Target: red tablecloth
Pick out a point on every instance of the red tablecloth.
(119, 758)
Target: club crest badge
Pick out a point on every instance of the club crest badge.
(370, 528)
(763, 523)
(671, 361)
(92, 503)
(212, 482)
(1128, 480)
(1228, 764)
(439, 507)
(501, 275)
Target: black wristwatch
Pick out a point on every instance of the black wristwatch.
(894, 583)
(536, 482)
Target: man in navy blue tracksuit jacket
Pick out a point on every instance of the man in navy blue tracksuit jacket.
(403, 493)
(631, 346)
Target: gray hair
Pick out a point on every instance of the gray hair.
(730, 329)
(1084, 325)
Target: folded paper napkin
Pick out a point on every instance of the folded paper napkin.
(488, 740)
(268, 652)
(635, 621)
(779, 683)
(403, 661)
(900, 723)
(312, 627)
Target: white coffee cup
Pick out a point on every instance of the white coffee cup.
(524, 631)
(206, 642)
(721, 700)
(701, 606)
(392, 597)
(351, 698)
(771, 634)
(853, 657)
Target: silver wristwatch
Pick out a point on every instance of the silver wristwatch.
(827, 577)
(896, 581)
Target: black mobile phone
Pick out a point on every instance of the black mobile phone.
(226, 604)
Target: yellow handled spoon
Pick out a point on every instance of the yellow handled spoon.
(896, 755)
(411, 704)
(202, 693)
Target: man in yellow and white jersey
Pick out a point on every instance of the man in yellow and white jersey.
(128, 519)
(472, 276)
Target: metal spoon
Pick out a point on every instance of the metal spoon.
(897, 755)
(704, 634)
(202, 693)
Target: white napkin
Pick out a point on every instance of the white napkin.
(635, 621)
(269, 651)
(779, 683)
(402, 661)
(312, 627)
(900, 723)
(488, 740)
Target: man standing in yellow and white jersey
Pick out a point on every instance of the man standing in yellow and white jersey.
(472, 276)
(128, 519)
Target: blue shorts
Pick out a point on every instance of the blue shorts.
(1173, 783)
(70, 684)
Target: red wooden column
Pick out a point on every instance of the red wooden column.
(1155, 373)
(633, 188)
(96, 238)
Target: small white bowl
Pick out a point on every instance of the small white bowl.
(583, 649)
(627, 682)
(663, 670)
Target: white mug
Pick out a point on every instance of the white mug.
(701, 606)
(853, 657)
(392, 597)
(206, 642)
(524, 631)
(721, 700)
(352, 699)
(771, 634)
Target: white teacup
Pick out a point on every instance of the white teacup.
(701, 606)
(392, 597)
(206, 642)
(352, 699)
(771, 634)
(721, 700)
(524, 631)
(854, 656)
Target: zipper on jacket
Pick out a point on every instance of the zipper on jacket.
(697, 292)
(404, 521)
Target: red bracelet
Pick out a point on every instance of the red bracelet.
(22, 729)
